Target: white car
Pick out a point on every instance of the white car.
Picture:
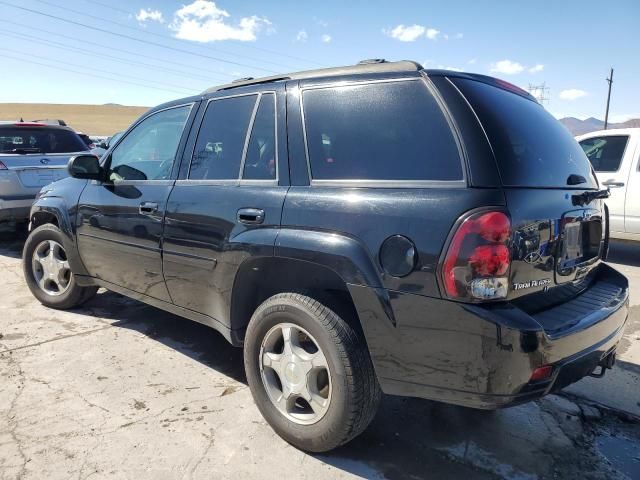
(615, 156)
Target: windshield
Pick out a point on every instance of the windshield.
(532, 148)
(24, 140)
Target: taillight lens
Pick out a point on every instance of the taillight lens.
(476, 266)
(3, 166)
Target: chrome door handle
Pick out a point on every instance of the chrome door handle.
(613, 183)
(251, 216)
(147, 208)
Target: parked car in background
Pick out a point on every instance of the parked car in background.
(85, 138)
(105, 142)
(357, 230)
(615, 156)
(32, 155)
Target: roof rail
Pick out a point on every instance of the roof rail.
(243, 79)
(376, 65)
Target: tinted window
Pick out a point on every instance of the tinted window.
(380, 131)
(39, 140)
(605, 153)
(221, 139)
(149, 150)
(260, 163)
(532, 148)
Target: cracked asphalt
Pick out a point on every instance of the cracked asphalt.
(122, 390)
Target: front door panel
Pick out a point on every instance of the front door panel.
(117, 242)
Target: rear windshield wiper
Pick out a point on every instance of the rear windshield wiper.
(24, 150)
(587, 197)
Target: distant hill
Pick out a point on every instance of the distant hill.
(90, 119)
(579, 127)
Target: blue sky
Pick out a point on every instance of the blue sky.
(122, 56)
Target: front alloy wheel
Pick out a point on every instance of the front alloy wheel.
(51, 267)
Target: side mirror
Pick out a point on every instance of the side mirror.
(85, 166)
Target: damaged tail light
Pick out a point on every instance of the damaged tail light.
(476, 265)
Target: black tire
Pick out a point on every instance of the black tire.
(355, 391)
(74, 295)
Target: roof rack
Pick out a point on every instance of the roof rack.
(375, 65)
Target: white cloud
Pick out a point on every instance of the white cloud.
(302, 36)
(432, 33)
(507, 67)
(453, 69)
(572, 94)
(536, 68)
(151, 15)
(473, 61)
(203, 21)
(326, 38)
(406, 33)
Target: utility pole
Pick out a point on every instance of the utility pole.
(606, 115)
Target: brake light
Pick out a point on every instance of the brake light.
(477, 262)
(3, 166)
(29, 124)
(541, 373)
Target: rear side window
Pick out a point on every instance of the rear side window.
(221, 139)
(25, 140)
(379, 131)
(605, 153)
(531, 147)
(260, 162)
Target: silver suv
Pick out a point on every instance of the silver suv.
(32, 155)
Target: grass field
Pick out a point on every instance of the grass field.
(90, 119)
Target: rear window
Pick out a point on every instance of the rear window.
(605, 153)
(531, 147)
(24, 140)
(379, 131)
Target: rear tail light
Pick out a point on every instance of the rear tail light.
(3, 166)
(476, 266)
(541, 373)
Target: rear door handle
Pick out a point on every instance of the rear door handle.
(613, 183)
(251, 216)
(147, 208)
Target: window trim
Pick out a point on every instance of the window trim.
(107, 163)
(462, 183)
(624, 152)
(237, 181)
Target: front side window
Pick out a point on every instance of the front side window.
(379, 131)
(605, 153)
(218, 151)
(149, 150)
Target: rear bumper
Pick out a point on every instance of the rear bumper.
(484, 356)
(15, 207)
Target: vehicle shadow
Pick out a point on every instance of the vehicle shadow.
(408, 439)
(625, 252)
(12, 240)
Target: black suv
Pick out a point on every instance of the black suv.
(358, 230)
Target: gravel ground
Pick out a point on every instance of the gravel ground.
(119, 389)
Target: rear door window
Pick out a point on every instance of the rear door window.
(24, 140)
(260, 162)
(605, 153)
(221, 139)
(379, 131)
(531, 147)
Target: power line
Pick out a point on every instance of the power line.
(88, 42)
(81, 72)
(129, 37)
(253, 47)
(93, 53)
(130, 27)
(30, 55)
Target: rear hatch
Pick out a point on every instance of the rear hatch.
(550, 192)
(38, 154)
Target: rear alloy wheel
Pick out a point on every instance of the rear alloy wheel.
(295, 373)
(47, 270)
(309, 372)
